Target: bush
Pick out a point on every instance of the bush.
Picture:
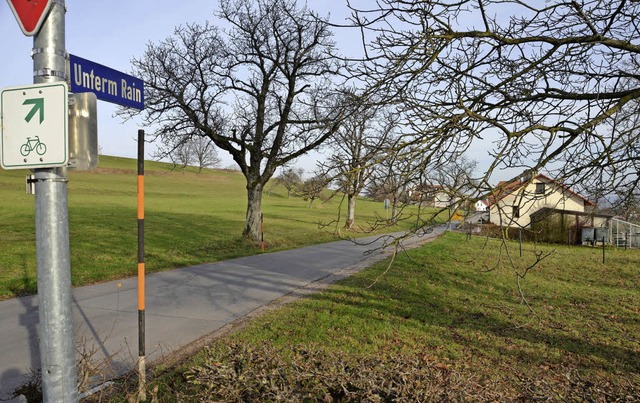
(235, 372)
(238, 372)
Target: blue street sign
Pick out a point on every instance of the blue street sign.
(108, 84)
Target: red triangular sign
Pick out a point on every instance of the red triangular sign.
(30, 14)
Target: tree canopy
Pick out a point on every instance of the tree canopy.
(550, 85)
(262, 89)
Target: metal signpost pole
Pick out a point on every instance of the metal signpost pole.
(57, 349)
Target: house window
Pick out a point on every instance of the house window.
(516, 212)
(540, 188)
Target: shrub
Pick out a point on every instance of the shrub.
(237, 372)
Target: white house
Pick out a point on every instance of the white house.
(434, 196)
(513, 202)
(482, 205)
(443, 199)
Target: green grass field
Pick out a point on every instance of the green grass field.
(190, 218)
(447, 322)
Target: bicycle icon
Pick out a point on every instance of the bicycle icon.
(31, 145)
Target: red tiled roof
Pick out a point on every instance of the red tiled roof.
(505, 188)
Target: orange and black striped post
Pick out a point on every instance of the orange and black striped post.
(142, 395)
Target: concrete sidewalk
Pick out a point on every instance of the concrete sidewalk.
(182, 305)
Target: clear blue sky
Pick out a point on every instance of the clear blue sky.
(113, 32)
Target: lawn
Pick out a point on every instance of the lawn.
(453, 320)
(190, 218)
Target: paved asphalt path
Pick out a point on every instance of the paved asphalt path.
(182, 305)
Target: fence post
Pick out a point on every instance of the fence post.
(626, 239)
(520, 240)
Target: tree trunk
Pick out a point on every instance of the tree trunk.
(254, 210)
(351, 212)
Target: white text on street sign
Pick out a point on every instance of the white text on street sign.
(108, 84)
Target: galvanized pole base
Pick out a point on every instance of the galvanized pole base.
(57, 346)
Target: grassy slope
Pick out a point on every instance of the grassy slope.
(190, 218)
(461, 321)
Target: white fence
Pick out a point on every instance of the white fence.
(624, 234)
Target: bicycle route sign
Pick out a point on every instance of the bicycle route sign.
(33, 126)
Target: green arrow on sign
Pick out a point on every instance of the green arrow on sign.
(38, 104)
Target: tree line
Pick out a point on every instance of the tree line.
(549, 86)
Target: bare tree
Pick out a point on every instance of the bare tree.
(188, 150)
(260, 90)
(204, 152)
(291, 179)
(179, 152)
(355, 150)
(626, 204)
(538, 84)
(393, 177)
(312, 188)
(455, 180)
